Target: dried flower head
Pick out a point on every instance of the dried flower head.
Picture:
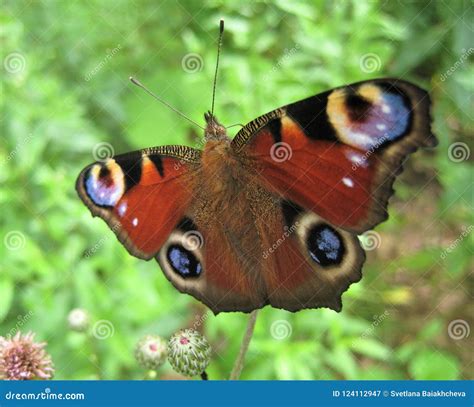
(189, 352)
(23, 359)
(151, 351)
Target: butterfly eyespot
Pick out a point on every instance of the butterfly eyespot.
(183, 261)
(371, 116)
(104, 183)
(325, 245)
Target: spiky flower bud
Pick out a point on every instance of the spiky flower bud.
(151, 351)
(78, 320)
(23, 359)
(189, 352)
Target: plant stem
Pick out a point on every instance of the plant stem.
(94, 357)
(239, 362)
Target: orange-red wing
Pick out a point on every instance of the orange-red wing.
(338, 153)
(141, 195)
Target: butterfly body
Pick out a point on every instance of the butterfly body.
(272, 215)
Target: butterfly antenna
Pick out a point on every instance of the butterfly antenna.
(140, 85)
(219, 45)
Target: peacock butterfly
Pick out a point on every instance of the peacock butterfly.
(271, 216)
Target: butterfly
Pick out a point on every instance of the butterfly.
(272, 216)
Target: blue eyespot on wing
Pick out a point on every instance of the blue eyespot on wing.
(183, 261)
(325, 245)
(370, 115)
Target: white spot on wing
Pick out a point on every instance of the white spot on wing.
(348, 182)
(386, 108)
(358, 159)
(122, 209)
(135, 222)
(381, 126)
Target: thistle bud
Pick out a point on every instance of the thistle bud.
(189, 352)
(151, 352)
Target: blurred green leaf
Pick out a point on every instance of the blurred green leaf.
(434, 365)
(6, 296)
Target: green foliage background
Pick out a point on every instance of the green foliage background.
(72, 93)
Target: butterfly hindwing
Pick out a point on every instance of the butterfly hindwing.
(308, 263)
(203, 260)
(141, 195)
